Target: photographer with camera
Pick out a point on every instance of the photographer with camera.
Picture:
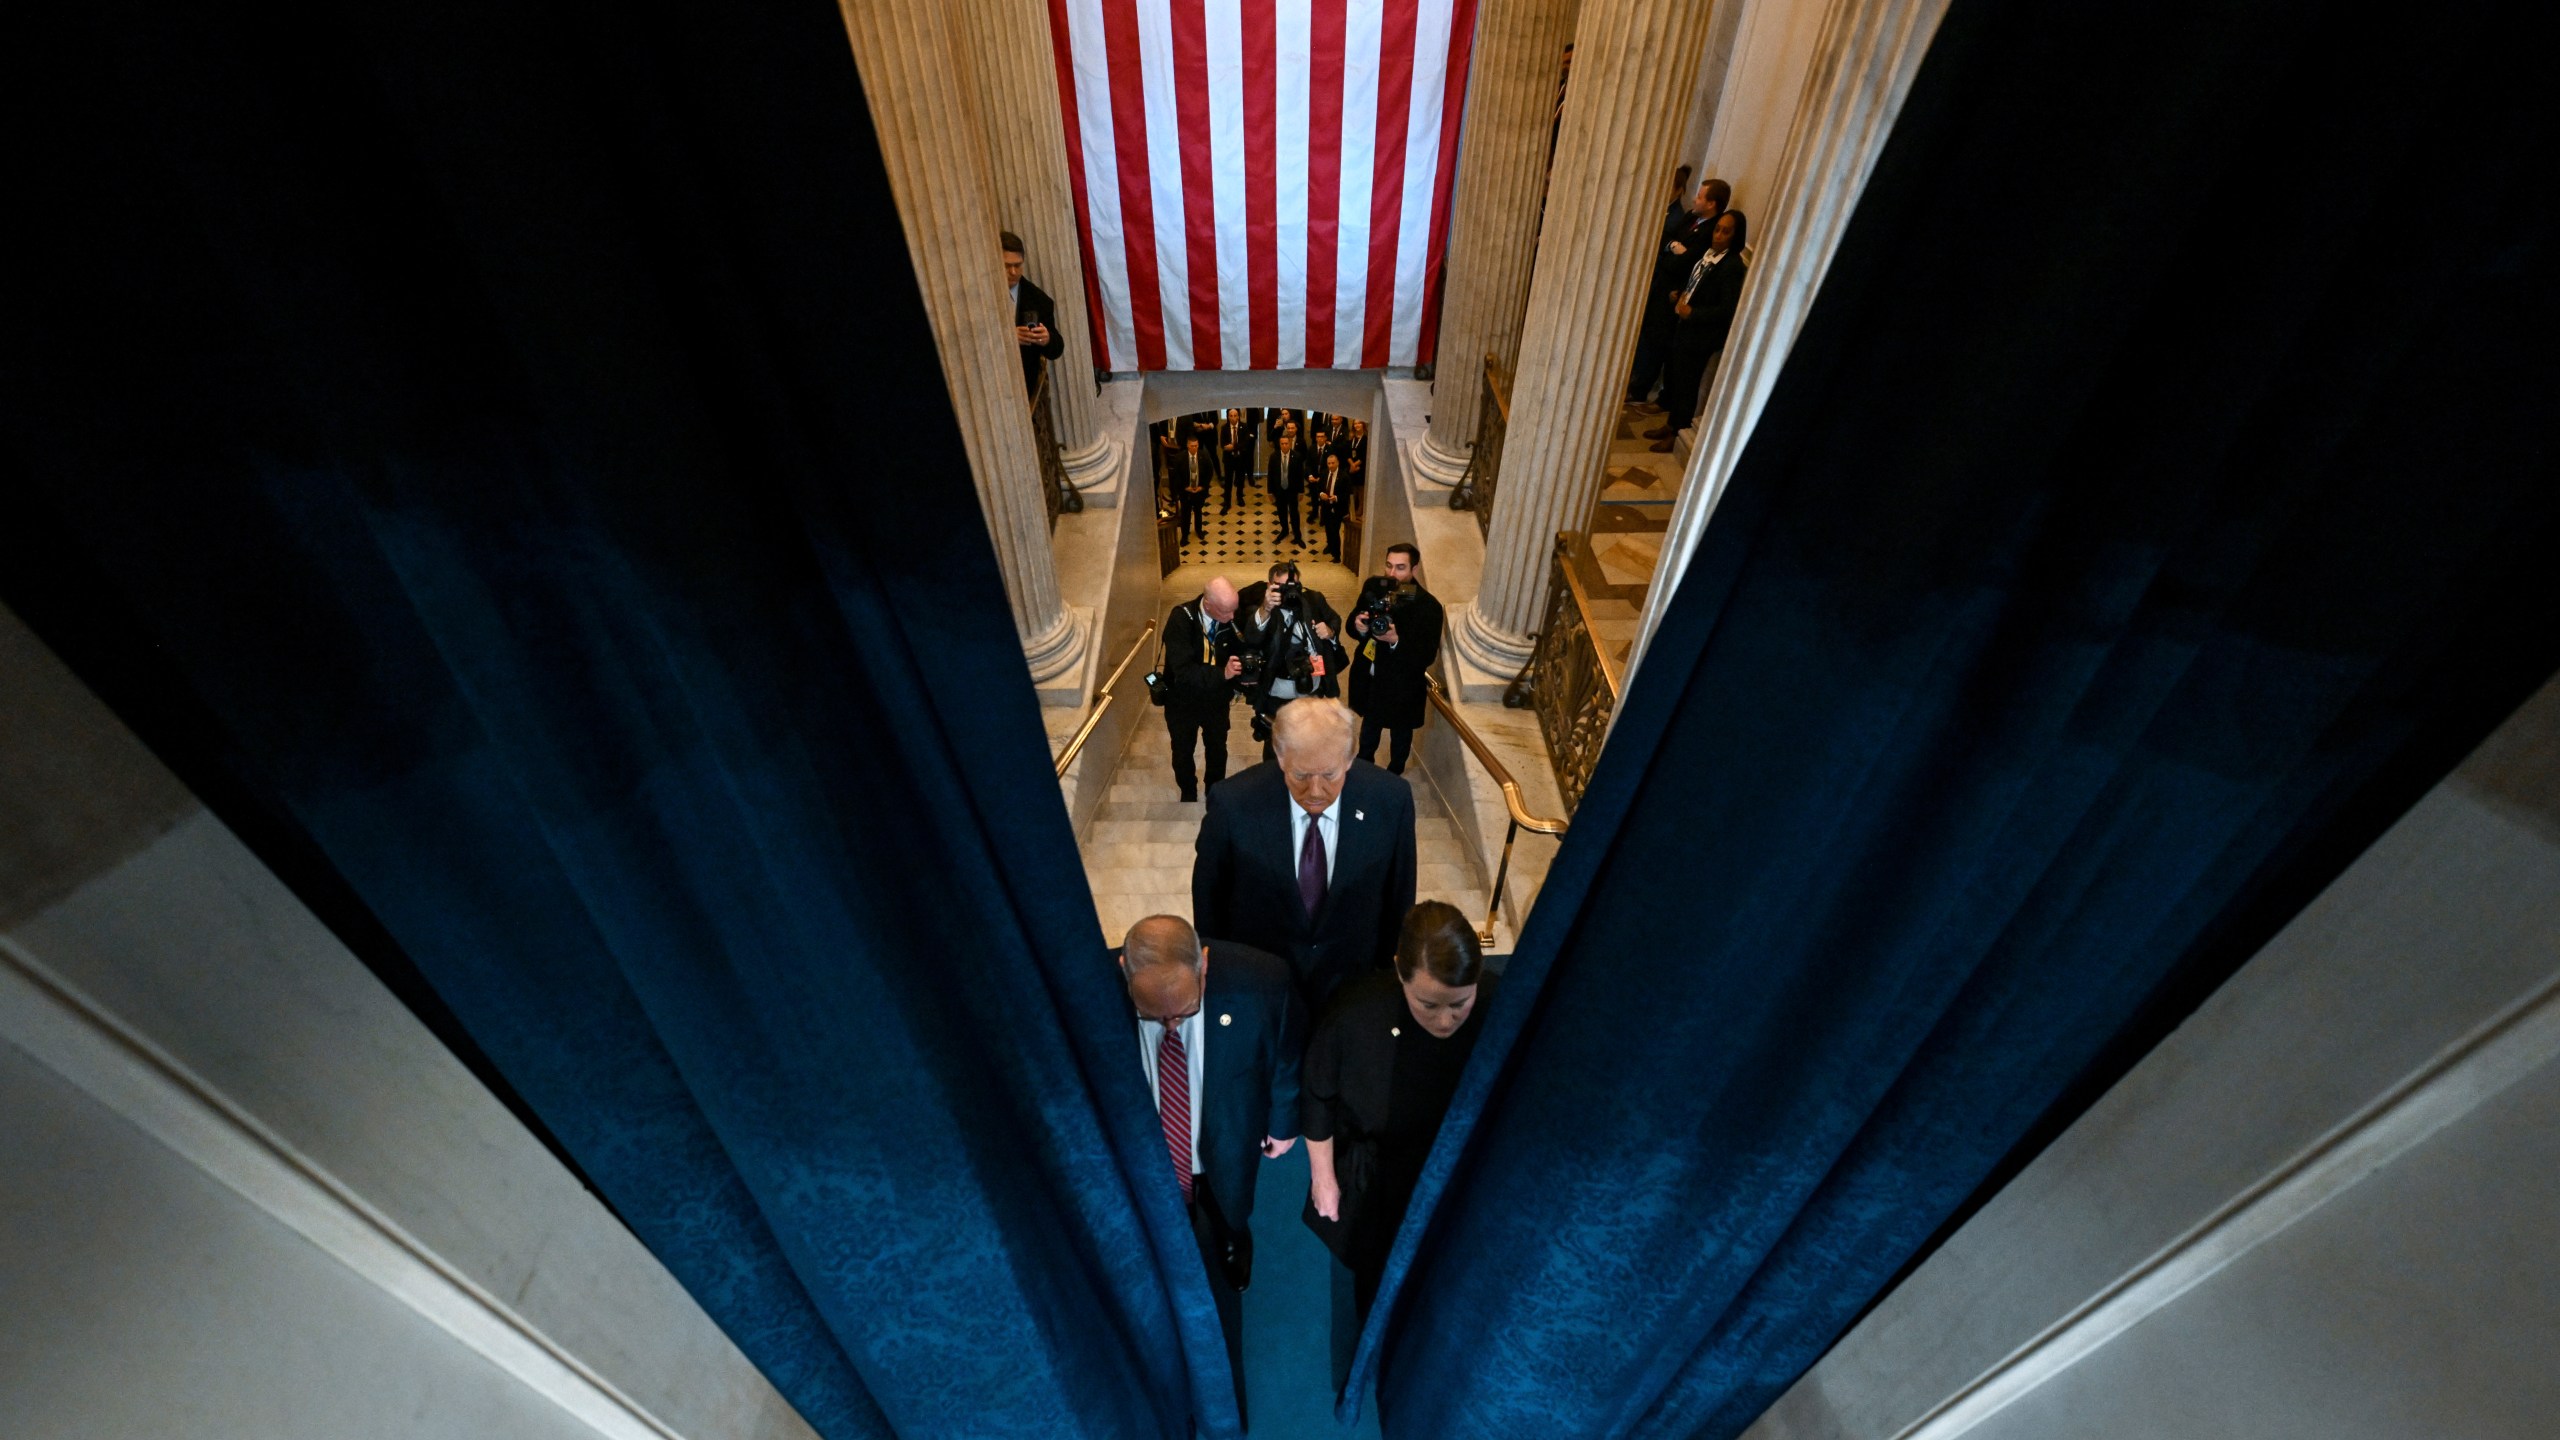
(1395, 633)
(1300, 640)
(1202, 672)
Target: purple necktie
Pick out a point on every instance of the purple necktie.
(1311, 867)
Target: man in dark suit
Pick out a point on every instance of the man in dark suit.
(1035, 317)
(1288, 483)
(1219, 1031)
(1235, 456)
(1299, 639)
(1309, 855)
(1201, 664)
(1390, 660)
(1684, 234)
(1193, 474)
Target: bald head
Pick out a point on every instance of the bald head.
(1219, 598)
(1165, 967)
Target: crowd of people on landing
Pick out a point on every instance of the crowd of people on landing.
(1302, 898)
(1690, 300)
(1313, 464)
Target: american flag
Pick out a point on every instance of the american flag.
(1262, 184)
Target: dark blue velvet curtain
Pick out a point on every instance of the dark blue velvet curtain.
(502, 444)
(2165, 474)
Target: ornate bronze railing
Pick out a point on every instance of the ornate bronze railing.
(1521, 816)
(1484, 463)
(1572, 680)
(1101, 702)
(1060, 490)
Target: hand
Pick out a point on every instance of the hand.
(1680, 308)
(1360, 623)
(1270, 599)
(1274, 1149)
(1679, 249)
(1323, 631)
(1235, 667)
(1326, 1194)
(1389, 634)
(1031, 334)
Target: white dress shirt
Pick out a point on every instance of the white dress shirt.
(1150, 1036)
(1329, 824)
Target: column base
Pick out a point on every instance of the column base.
(1428, 463)
(1097, 470)
(1483, 657)
(1060, 659)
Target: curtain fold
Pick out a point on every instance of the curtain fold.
(2131, 525)
(513, 434)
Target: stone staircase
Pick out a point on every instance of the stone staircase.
(1137, 855)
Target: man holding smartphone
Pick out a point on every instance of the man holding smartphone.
(1035, 317)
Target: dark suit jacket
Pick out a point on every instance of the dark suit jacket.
(1253, 1030)
(1273, 640)
(1290, 477)
(1179, 472)
(1035, 300)
(1196, 694)
(1711, 308)
(1389, 687)
(1244, 875)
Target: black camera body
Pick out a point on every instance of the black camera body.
(1289, 591)
(1381, 607)
(1248, 676)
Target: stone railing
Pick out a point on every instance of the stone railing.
(1484, 463)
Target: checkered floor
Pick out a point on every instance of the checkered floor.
(1250, 530)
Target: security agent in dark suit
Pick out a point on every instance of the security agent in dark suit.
(1288, 483)
(1705, 308)
(1035, 317)
(1309, 855)
(1235, 456)
(1684, 235)
(1394, 644)
(1219, 1030)
(1195, 470)
(1201, 666)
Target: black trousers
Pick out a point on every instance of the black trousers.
(1399, 743)
(1653, 350)
(1687, 372)
(1187, 733)
(1291, 523)
(1209, 1228)
(1194, 515)
(1232, 482)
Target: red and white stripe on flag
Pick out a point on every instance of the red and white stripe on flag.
(1262, 184)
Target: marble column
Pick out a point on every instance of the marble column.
(1862, 68)
(1016, 83)
(908, 53)
(1634, 65)
(1493, 225)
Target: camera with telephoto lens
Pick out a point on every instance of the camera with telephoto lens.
(1289, 591)
(1381, 607)
(1249, 675)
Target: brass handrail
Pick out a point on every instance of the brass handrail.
(1521, 816)
(1101, 702)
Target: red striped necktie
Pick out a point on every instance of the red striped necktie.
(1173, 1101)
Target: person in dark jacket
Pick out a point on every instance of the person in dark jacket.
(1684, 234)
(1309, 855)
(1218, 1029)
(1288, 484)
(1379, 1074)
(1330, 493)
(1035, 317)
(1201, 664)
(1705, 308)
(1299, 637)
(1391, 660)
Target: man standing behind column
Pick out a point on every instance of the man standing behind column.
(1310, 854)
(1682, 239)
(1200, 668)
(1219, 1033)
(1035, 317)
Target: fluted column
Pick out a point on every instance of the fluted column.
(1634, 64)
(1863, 65)
(1493, 225)
(937, 161)
(1016, 83)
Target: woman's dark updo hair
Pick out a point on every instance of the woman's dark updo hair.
(1436, 937)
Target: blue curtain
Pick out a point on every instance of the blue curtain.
(503, 445)
(2150, 503)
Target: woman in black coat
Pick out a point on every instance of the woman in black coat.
(1704, 311)
(1378, 1076)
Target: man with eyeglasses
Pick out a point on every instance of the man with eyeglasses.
(1310, 854)
(1219, 1033)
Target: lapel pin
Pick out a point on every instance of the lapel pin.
(1395, 1032)
(1226, 1019)
(1359, 814)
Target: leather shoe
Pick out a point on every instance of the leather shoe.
(1662, 447)
(1659, 432)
